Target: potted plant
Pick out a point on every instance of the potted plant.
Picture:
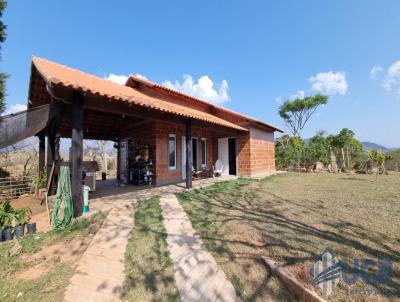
(8, 226)
(2, 218)
(22, 217)
(30, 227)
(9, 220)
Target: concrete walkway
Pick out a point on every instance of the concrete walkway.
(100, 271)
(197, 275)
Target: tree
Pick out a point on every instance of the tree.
(377, 157)
(3, 76)
(296, 113)
(338, 143)
(317, 150)
(288, 151)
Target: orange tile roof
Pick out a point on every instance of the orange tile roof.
(69, 77)
(209, 105)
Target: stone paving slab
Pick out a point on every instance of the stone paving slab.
(197, 275)
(100, 271)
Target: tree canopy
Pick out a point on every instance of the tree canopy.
(296, 113)
(3, 76)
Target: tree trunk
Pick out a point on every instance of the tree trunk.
(333, 162)
(344, 160)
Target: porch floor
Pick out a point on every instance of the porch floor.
(108, 195)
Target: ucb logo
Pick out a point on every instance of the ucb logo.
(327, 271)
(371, 271)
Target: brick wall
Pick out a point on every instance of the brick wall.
(262, 151)
(243, 154)
(256, 153)
(162, 130)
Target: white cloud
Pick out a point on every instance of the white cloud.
(15, 108)
(138, 75)
(298, 95)
(119, 79)
(329, 83)
(392, 77)
(202, 89)
(375, 70)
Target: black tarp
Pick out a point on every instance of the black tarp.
(21, 125)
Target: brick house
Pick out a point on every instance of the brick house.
(179, 133)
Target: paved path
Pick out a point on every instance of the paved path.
(100, 271)
(197, 275)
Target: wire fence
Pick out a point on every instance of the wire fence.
(13, 187)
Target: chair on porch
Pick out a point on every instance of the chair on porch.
(217, 169)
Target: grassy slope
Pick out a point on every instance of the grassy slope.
(149, 269)
(292, 218)
(51, 286)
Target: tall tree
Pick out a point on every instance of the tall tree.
(3, 76)
(296, 113)
(344, 140)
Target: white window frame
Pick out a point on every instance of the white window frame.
(205, 152)
(169, 164)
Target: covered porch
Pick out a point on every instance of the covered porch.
(93, 108)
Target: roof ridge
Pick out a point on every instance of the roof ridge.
(146, 81)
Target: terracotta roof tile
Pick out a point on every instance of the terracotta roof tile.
(69, 77)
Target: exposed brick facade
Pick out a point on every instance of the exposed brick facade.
(262, 151)
(162, 130)
(255, 151)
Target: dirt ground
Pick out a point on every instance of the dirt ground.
(30, 201)
(63, 252)
(39, 212)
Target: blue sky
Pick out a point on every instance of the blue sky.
(256, 53)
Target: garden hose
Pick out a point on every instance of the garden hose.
(63, 201)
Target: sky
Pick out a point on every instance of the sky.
(248, 56)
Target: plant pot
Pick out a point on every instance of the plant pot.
(31, 228)
(8, 234)
(19, 230)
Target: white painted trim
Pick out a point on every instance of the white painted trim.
(171, 167)
(205, 151)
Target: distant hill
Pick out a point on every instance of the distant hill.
(370, 146)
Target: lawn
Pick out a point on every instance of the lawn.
(148, 266)
(291, 218)
(38, 270)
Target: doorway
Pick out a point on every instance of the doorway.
(232, 155)
(194, 153)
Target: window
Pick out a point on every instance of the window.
(172, 151)
(203, 152)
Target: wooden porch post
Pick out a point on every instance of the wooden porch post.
(77, 151)
(189, 159)
(51, 146)
(42, 153)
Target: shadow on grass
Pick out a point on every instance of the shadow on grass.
(229, 216)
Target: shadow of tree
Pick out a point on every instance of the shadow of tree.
(243, 220)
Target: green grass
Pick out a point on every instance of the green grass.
(148, 266)
(291, 218)
(51, 286)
